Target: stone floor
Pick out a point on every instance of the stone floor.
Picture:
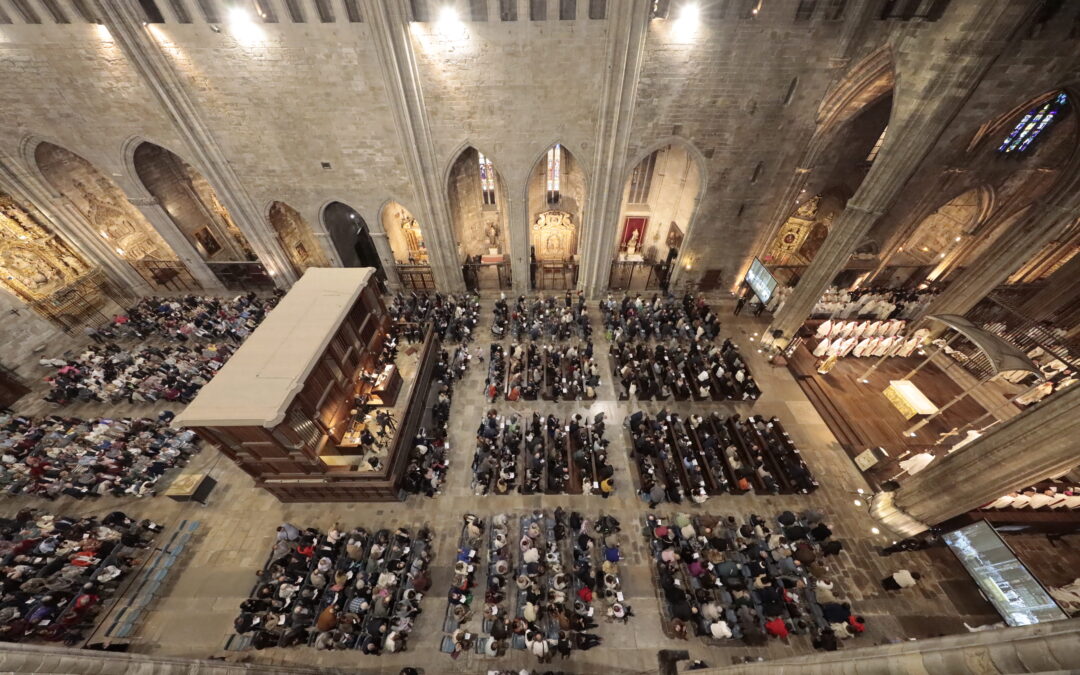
(195, 615)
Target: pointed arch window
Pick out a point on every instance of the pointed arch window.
(487, 180)
(1034, 123)
(877, 146)
(554, 166)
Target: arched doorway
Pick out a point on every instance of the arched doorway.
(352, 238)
(480, 214)
(658, 203)
(296, 238)
(838, 173)
(105, 206)
(556, 199)
(406, 237)
(939, 238)
(193, 206)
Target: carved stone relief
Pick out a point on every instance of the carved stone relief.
(34, 262)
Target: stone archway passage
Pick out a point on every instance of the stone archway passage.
(127, 232)
(296, 238)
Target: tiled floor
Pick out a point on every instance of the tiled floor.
(196, 613)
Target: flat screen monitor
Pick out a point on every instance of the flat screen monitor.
(761, 281)
(1005, 581)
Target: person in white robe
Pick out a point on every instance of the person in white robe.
(820, 350)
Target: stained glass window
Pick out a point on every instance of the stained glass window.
(1032, 124)
(487, 180)
(554, 161)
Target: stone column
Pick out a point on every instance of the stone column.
(386, 256)
(390, 34)
(124, 20)
(1025, 449)
(628, 22)
(1012, 249)
(189, 256)
(70, 223)
(519, 239)
(1062, 287)
(932, 99)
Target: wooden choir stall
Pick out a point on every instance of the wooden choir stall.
(284, 404)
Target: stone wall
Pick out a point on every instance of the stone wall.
(303, 115)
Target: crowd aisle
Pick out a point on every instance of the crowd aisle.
(200, 605)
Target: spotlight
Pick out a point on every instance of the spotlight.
(860, 491)
(874, 530)
(448, 14)
(689, 13)
(865, 381)
(858, 502)
(216, 28)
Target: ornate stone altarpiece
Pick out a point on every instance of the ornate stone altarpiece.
(554, 235)
(34, 262)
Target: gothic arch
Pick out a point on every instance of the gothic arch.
(863, 85)
(479, 204)
(295, 236)
(189, 200)
(670, 222)
(404, 233)
(102, 202)
(555, 227)
(989, 131)
(350, 234)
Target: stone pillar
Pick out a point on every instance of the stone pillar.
(519, 240)
(386, 256)
(628, 22)
(389, 21)
(189, 256)
(125, 23)
(1020, 451)
(70, 223)
(933, 98)
(1012, 249)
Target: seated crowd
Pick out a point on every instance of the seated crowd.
(695, 458)
(552, 372)
(54, 456)
(429, 460)
(108, 373)
(659, 318)
(353, 589)
(190, 317)
(700, 371)
(542, 317)
(543, 456)
(725, 579)
(454, 316)
(545, 602)
(57, 571)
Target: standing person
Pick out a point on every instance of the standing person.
(759, 308)
(900, 579)
(740, 303)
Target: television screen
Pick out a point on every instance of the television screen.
(760, 280)
(1005, 581)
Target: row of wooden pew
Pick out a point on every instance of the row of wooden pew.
(703, 456)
